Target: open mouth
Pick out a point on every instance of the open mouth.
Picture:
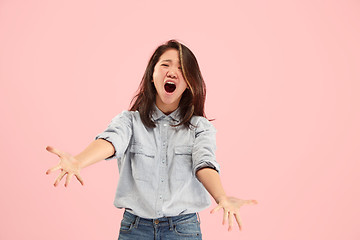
(170, 87)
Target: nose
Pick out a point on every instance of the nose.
(171, 74)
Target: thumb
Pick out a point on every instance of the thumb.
(53, 150)
(216, 209)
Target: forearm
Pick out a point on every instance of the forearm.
(211, 180)
(96, 151)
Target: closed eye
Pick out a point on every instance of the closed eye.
(164, 65)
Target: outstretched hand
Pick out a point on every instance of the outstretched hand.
(231, 206)
(68, 165)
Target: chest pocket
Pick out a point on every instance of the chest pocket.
(183, 162)
(142, 162)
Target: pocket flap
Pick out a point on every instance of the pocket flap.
(141, 149)
(183, 150)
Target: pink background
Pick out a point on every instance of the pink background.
(283, 86)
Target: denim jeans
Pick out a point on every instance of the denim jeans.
(183, 227)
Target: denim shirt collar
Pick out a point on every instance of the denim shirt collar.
(158, 114)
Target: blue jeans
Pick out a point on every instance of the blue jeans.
(185, 227)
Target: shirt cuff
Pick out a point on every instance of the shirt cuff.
(211, 165)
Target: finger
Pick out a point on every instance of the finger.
(68, 177)
(79, 178)
(53, 169)
(250, 202)
(216, 209)
(231, 215)
(238, 220)
(226, 215)
(54, 150)
(61, 175)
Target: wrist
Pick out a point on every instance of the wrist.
(220, 198)
(79, 164)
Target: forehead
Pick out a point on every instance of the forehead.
(170, 54)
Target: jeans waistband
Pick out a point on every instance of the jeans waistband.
(163, 221)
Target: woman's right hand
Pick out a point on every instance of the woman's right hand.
(68, 165)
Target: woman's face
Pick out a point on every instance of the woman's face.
(169, 81)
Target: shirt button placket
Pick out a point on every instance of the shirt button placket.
(163, 135)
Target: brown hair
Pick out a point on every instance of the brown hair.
(192, 100)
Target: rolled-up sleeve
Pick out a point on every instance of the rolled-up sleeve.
(118, 133)
(203, 154)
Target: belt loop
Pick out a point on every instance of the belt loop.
(198, 215)
(170, 223)
(137, 219)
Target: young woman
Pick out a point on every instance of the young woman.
(165, 148)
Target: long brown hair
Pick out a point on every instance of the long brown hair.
(193, 98)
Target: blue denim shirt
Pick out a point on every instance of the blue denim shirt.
(157, 166)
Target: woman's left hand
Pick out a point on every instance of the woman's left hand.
(231, 206)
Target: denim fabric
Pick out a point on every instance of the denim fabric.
(185, 227)
(158, 165)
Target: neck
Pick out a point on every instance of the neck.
(166, 108)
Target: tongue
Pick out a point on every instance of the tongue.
(170, 87)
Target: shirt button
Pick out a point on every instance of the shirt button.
(165, 124)
(160, 197)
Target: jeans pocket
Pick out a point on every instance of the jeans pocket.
(189, 229)
(142, 161)
(183, 162)
(126, 226)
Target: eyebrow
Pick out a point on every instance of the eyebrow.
(167, 60)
